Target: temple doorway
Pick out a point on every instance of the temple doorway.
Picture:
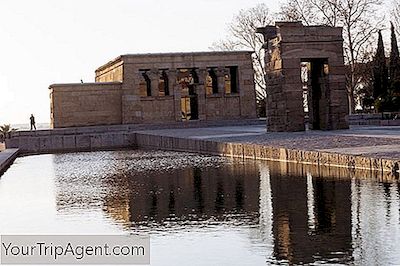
(188, 81)
(314, 76)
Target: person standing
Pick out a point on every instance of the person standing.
(33, 125)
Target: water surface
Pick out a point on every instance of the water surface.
(206, 210)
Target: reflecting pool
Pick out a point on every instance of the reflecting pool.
(207, 210)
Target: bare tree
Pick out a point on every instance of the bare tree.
(359, 21)
(242, 35)
(299, 10)
(360, 25)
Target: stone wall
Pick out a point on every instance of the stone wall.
(113, 71)
(61, 141)
(98, 137)
(146, 109)
(379, 119)
(74, 105)
(227, 107)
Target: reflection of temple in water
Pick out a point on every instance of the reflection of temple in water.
(310, 215)
(188, 194)
(304, 213)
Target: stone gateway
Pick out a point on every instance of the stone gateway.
(306, 83)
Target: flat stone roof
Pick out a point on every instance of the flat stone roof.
(210, 53)
(84, 84)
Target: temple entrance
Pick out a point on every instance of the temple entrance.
(189, 108)
(314, 76)
(189, 101)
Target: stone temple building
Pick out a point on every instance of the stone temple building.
(159, 88)
(306, 83)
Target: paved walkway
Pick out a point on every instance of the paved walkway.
(7, 157)
(381, 142)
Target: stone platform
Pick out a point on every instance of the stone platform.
(373, 148)
(368, 148)
(376, 142)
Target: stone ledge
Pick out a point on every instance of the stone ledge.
(6, 159)
(129, 136)
(261, 152)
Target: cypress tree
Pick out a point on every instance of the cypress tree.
(394, 68)
(380, 70)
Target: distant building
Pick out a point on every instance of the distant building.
(157, 88)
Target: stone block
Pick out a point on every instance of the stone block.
(199, 145)
(12, 143)
(183, 144)
(343, 160)
(130, 139)
(259, 152)
(333, 159)
(376, 163)
(311, 157)
(362, 162)
(237, 150)
(227, 149)
(276, 153)
(249, 151)
(29, 144)
(388, 165)
(69, 142)
(294, 155)
(169, 142)
(118, 140)
(57, 143)
(83, 142)
(45, 144)
(96, 142)
(107, 140)
(351, 162)
(214, 147)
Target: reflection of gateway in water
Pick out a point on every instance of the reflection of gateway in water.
(301, 213)
(312, 215)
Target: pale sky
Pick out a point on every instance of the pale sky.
(48, 41)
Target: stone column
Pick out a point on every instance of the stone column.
(136, 83)
(221, 71)
(175, 91)
(201, 93)
(154, 76)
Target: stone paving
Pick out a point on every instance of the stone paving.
(377, 142)
(6, 158)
